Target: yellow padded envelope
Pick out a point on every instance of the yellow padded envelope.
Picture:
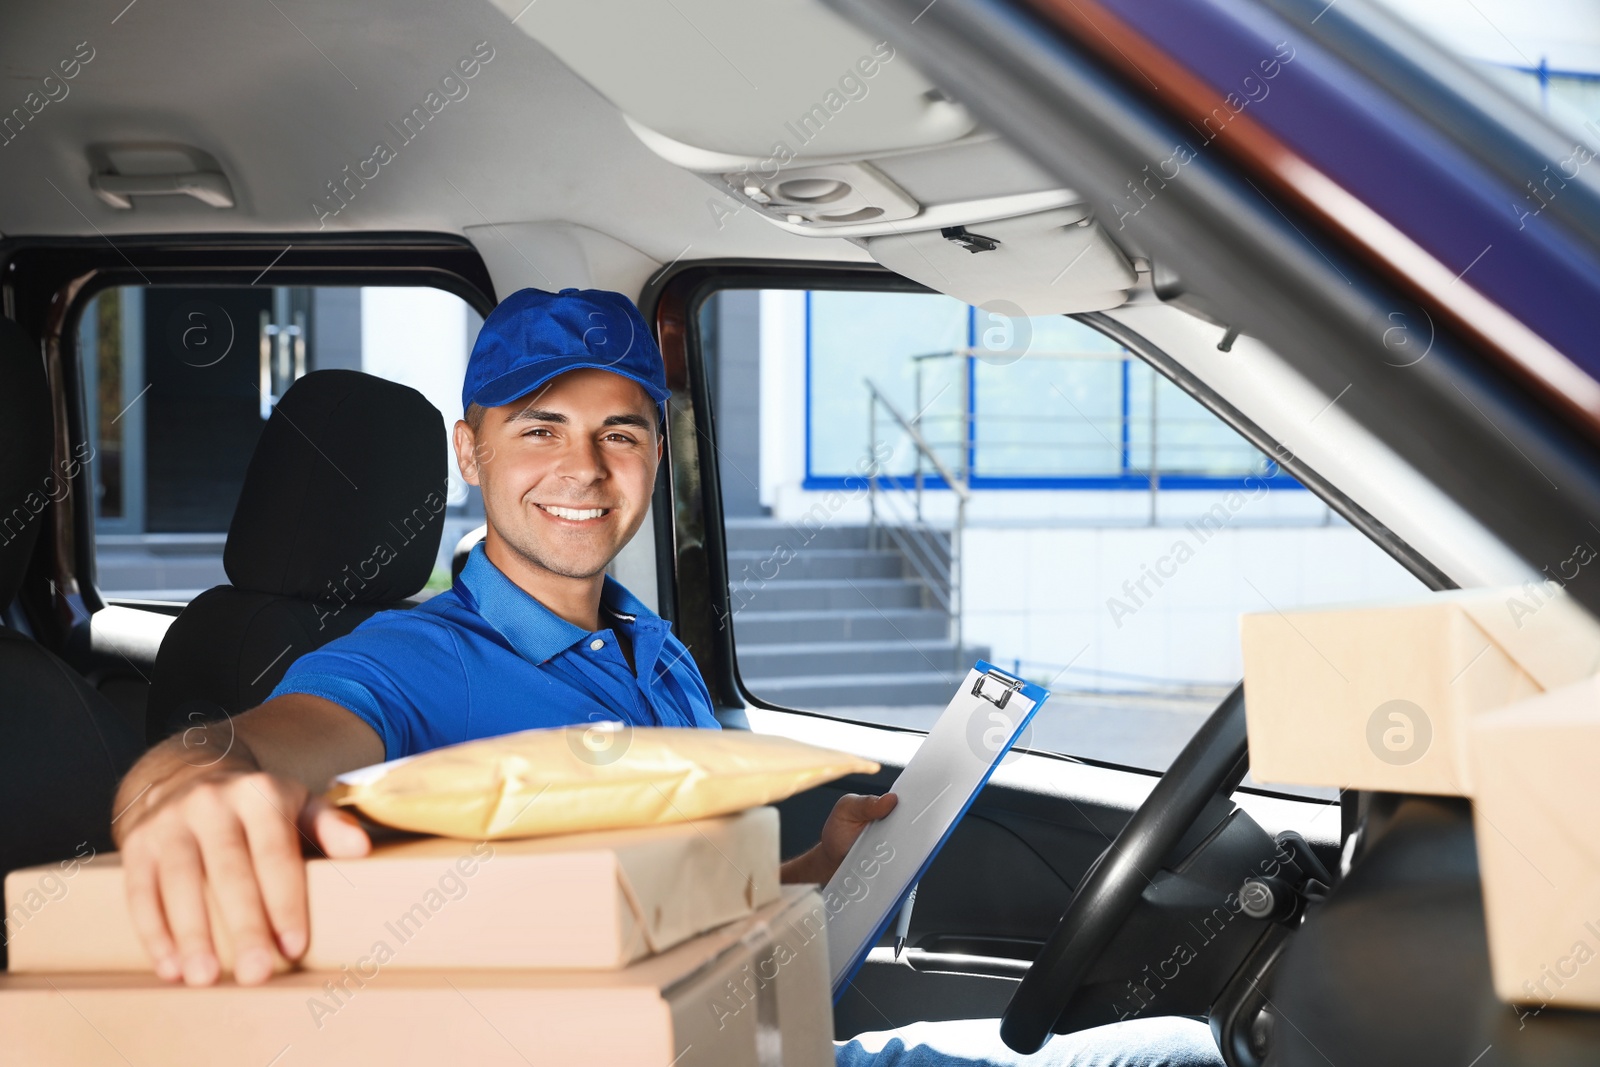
(587, 778)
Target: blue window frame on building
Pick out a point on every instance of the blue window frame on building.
(1044, 403)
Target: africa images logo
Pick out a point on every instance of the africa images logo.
(1399, 732)
(200, 333)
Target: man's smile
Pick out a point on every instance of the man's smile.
(573, 514)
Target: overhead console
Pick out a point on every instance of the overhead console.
(827, 133)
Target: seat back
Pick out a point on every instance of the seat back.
(339, 517)
(63, 747)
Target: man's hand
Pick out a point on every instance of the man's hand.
(233, 827)
(851, 815)
(239, 833)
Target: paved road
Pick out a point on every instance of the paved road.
(1133, 730)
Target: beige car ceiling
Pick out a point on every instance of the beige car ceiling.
(573, 143)
(594, 144)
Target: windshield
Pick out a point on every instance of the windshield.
(910, 484)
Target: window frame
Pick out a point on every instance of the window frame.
(47, 283)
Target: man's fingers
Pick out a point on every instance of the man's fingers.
(144, 905)
(232, 877)
(280, 872)
(336, 832)
(861, 808)
(182, 887)
(235, 840)
(271, 812)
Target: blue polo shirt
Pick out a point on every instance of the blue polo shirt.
(485, 658)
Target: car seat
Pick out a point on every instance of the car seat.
(63, 746)
(339, 518)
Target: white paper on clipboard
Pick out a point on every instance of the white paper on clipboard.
(966, 744)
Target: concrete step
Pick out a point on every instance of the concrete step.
(764, 535)
(816, 659)
(753, 566)
(752, 628)
(843, 593)
(837, 691)
(838, 623)
(930, 552)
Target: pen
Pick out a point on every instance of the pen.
(903, 926)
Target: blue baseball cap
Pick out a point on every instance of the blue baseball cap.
(532, 336)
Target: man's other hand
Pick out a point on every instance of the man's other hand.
(851, 815)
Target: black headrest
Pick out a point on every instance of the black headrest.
(26, 482)
(344, 498)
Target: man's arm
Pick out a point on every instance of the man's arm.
(230, 804)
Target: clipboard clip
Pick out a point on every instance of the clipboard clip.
(1008, 685)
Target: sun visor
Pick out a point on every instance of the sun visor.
(818, 86)
(1048, 263)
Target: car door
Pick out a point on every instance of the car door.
(1332, 182)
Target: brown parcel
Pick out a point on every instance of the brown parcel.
(1536, 795)
(1378, 696)
(753, 992)
(598, 900)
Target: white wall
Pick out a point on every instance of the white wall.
(1050, 595)
(783, 390)
(1041, 569)
(419, 337)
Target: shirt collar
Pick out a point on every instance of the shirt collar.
(536, 632)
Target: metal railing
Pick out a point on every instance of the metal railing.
(895, 512)
(1128, 433)
(946, 446)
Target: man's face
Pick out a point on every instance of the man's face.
(567, 470)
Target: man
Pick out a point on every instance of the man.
(563, 403)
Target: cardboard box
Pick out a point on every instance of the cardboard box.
(1380, 696)
(1535, 805)
(754, 992)
(598, 900)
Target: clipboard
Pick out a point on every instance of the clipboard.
(982, 721)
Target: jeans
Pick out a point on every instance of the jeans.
(1155, 1042)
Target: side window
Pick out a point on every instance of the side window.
(178, 382)
(911, 484)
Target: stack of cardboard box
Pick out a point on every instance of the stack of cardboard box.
(1488, 694)
(656, 946)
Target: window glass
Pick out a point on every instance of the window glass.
(986, 393)
(1547, 52)
(855, 338)
(1113, 532)
(178, 382)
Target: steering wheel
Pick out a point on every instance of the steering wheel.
(1215, 760)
